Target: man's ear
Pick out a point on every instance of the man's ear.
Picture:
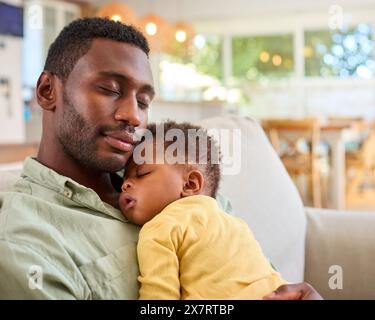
(46, 90)
(194, 183)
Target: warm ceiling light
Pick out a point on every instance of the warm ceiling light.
(264, 57)
(151, 28)
(277, 60)
(156, 30)
(117, 12)
(181, 35)
(116, 18)
(183, 32)
(181, 40)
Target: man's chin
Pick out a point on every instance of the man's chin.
(112, 162)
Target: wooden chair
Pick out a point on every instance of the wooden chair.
(296, 143)
(360, 168)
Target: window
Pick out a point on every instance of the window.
(257, 57)
(186, 73)
(342, 53)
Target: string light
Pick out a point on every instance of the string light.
(151, 28)
(118, 12)
(156, 29)
(181, 35)
(264, 56)
(277, 60)
(116, 18)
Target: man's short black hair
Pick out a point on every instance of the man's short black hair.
(211, 167)
(75, 40)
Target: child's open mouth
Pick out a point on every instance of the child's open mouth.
(127, 201)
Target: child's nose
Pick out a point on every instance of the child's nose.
(126, 185)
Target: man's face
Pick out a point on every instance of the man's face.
(104, 100)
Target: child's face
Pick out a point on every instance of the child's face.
(148, 189)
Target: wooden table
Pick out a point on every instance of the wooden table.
(336, 133)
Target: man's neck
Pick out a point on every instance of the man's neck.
(99, 181)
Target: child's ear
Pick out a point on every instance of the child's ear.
(193, 184)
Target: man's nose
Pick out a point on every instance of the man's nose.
(128, 111)
(127, 185)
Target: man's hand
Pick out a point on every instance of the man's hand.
(298, 291)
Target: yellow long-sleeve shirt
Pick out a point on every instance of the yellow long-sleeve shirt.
(194, 250)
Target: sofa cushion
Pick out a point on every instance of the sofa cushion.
(340, 253)
(263, 194)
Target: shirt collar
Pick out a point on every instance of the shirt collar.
(67, 187)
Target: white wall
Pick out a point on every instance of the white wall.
(184, 111)
(38, 35)
(234, 10)
(322, 98)
(12, 128)
(13, 2)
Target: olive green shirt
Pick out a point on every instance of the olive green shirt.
(58, 240)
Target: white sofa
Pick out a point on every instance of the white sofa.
(302, 243)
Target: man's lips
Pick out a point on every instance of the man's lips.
(127, 201)
(120, 140)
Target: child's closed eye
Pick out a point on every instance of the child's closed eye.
(143, 174)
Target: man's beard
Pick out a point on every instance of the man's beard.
(78, 140)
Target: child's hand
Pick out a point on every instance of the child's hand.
(298, 291)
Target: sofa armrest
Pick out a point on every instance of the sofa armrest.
(341, 241)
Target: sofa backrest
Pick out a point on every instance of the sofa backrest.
(263, 194)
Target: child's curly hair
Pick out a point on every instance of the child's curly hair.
(211, 166)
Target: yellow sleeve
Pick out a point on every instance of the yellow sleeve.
(158, 261)
(263, 279)
(261, 287)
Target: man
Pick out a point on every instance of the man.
(61, 233)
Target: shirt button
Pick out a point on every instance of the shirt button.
(68, 193)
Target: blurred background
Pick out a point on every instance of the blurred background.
(304, 69)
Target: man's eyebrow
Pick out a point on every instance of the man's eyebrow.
(113, 74)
